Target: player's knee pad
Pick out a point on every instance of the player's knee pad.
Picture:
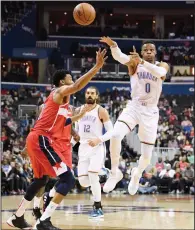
(65, 183)
(93, 178)
(146, 152)
(34, 187)
(42, 181)
(84, 181)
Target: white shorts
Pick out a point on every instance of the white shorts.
(146, 117)
(91, 158)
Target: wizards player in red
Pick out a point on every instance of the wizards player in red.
(43, 149)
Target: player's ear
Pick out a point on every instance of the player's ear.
(62, 82)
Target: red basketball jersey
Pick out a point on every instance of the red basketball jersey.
(66, 135)
(52, 118)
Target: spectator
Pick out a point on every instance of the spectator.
(190, 157)
(12, 124)
(172, 143)
(188, 176)
(177, 185)
(165, 177)
(183, 164)
(186, 125)
(181, 138)
(159, 165)
(6, 167)
(172, 118)
(188, 146)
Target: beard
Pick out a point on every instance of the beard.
(90, 101)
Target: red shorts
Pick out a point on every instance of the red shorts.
(47, 156)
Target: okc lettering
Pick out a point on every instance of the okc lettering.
(146, 75)
(89, 118)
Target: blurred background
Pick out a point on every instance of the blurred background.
(40, 37)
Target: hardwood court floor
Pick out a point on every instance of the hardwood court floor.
(120, 212)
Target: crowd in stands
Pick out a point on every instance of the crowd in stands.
(16, 74)
(11, 12)
(119, 25)
(175, 130)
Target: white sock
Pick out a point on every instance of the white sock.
(22, 207)
(115, 149)
(52, 192)
(49, 211)
(37, 201)
(146, 155)
(95, 186)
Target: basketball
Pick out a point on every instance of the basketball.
(84, 14)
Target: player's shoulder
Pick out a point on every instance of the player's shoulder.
(101, 109)
(102, 112)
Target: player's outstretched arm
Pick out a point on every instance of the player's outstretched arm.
(80, 113)
(115, 50)
(104, 116)
(159, 70)
(84, 80)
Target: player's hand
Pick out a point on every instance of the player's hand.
(100, 57)
(135, 55)
(94, 142)
(86, 108)
(108, 41)
(76, 137)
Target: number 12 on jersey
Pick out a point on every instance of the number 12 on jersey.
(86, 128)
(147, 87)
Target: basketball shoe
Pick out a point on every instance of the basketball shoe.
(134, 183)
(113, 179)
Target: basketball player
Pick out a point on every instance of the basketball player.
(44, 150)
(64, 142)
(146, 85)
(92, 149)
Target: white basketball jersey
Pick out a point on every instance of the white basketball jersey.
(90, 126)
(145, 87)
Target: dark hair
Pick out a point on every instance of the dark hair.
(147, 42)
(59, 75)
(93, 87)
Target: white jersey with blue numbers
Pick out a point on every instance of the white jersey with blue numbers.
(90, 126)
(145, 87)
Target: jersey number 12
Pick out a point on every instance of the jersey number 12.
(87, 128)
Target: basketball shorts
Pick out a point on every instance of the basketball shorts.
(46, 155)
(144, 116)
(91, 158)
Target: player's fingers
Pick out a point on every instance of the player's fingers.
(104, 52)
(134, 49)
(105, 58)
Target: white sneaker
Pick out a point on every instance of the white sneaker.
(134, 183)
(113, 179)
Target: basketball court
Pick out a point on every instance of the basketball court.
(120, 212)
